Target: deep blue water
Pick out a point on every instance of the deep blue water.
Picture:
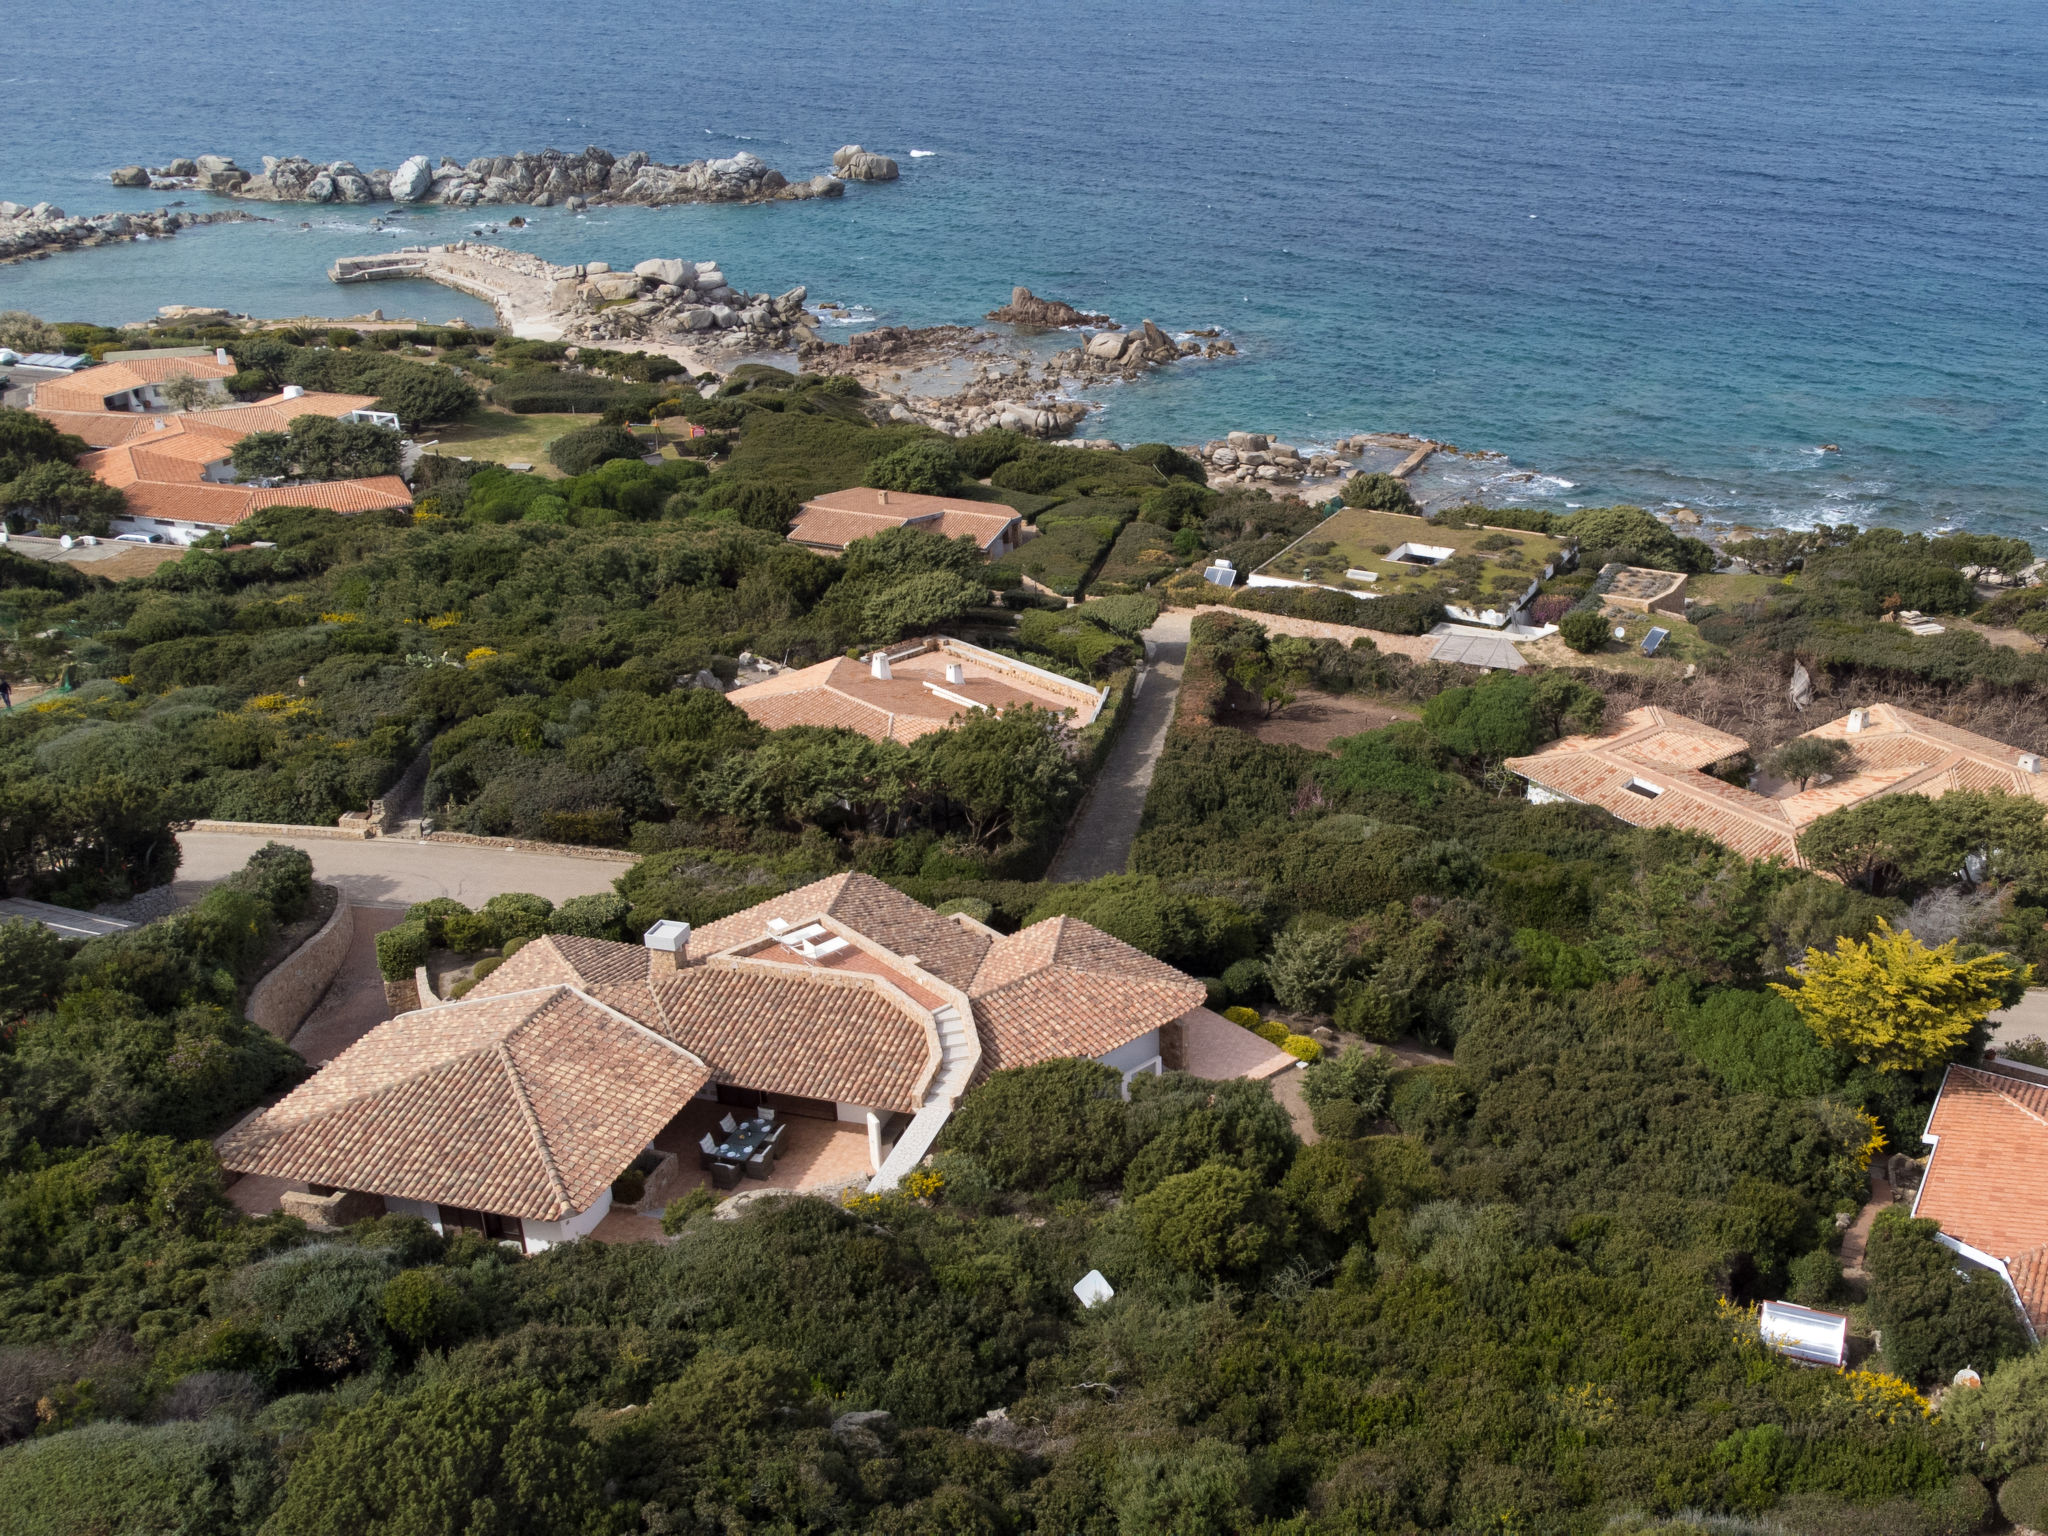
(1654, 253)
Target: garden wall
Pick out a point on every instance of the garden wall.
(282, 999)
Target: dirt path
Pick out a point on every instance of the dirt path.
(1099, 842)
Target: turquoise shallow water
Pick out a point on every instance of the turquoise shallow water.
(1648, 253)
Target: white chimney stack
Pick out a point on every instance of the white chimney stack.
(2030, 762)
(955, 673)
(885, 497)
(293, 391)
(220, 355)
(1859, 719)
(878, 665)
(671, 938)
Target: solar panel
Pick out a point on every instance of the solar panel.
(1653, 639)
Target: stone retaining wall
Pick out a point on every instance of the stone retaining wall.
(527, 845)
(1414, 647)
(279, 829)
(283, 998)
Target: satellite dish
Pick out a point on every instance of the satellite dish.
(1620, 632)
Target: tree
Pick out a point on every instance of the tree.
(1009, 773)
(493, 1459)
(417, 395)
(1899, 841)
(927, 467)
(184, 392)
(1379, 493)
(580, 451)
(1935, 1320)
(1585, 630)
(1896, 1004)
(21, 331)
(1307, 966)
(919, 604)
(63, 496)
(1030, 1127)
(2003, 1425)
(27, 440)
(1215, 1221)
(262, 456)
(1807, 757)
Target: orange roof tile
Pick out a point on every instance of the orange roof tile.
(88, 389)
(916, 699)
(527, 1104)
(1064, 988)
(1987, 1178)
(836, 520)
(101, 429)
(370, 495)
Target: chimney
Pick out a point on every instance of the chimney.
(955, 673)
(1859, 720)
(878, 666)
(671, 938)
(885, 497)
(293, 391)
(2030, 762)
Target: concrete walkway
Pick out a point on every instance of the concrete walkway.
(392, 872)
(1099, 843)
(2028, 1021)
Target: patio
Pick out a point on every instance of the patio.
(814, 1154)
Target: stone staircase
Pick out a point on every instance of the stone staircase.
(959, 1055)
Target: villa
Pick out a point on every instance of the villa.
(1481, 576)
(135, 382)
(1987, 1178)
(830, 523)
(1649, 769)
(174, 467)
(913, 690)
(858, 1016)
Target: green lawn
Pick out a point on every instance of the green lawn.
(1485, 566)
(489, 432)
(1727, 590)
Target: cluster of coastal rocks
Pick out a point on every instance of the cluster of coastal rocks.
(1248, 457)
(548, 179)
(44, 229)
(667, 298)
(1028, 309)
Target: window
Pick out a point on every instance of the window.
(501, 1229)
(1644, 788)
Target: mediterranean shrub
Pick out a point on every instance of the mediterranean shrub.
(1584, 629)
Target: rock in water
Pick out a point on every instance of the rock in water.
(1026, 308)
(130, 176)
(413, 179)
(852, 163)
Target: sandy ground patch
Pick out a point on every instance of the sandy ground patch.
(1316, 719)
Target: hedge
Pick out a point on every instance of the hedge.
(532, 390)
(1402, 613)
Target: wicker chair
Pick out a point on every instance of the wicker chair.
(725, 1175)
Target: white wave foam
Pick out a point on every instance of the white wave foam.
(922, 154)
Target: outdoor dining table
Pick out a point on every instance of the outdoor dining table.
(742, 1143)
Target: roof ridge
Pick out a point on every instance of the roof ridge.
(533, 1126)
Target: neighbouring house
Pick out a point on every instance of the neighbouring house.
(1649, 770)
(1481, 576)
(1987, 1178)
(1639, 589)
(133, 384)
(175, 469)
(843, 1002)
(829, 523)
(922, 686)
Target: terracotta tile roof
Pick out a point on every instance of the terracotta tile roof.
(526, 1104)
(1987, 1179)
(101, 429)
(1899, 751)
(169, 454)
(1064, 988)
(88, 389)
(367, 495)
(949, 950)
(916, 699)
(219, 506)
(816, 1033)
(836, 520)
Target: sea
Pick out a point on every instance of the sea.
(1614, 251)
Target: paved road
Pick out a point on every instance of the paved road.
(2028, 1020)
(1100, 842)
(394, 872)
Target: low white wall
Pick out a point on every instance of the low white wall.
(1140, 1055)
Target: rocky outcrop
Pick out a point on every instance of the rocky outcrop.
(853, 163)
(662, 300)
(45, 230)
(1026, 308)
(551, 178)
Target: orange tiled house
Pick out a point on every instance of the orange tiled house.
(1987, 1177)
(829, 523)
(1649, 770)
(512, 1110)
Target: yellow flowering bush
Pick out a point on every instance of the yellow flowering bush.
(1883, 1398)
(1247, 1017)
(1873, 1138)
(479, 656)
(446, 620)
(1301, 1047)
(339, 618)
(923, 1184)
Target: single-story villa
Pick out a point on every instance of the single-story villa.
(916, 688)
(1480, 575)
(1649, 770)
(133, 384)
(174, 467)
(829, 523)
(1987, 1178)
(513, 1110)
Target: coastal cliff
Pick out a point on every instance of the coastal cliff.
(551, 178)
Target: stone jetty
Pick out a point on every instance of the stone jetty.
(662, 301)
(30, 233)
(593, 177)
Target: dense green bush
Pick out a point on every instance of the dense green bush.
(2023, 1498)
(1030, 1128)
(403, 949)
(582, 450)
(1404, 613)
(207, 1479)
(1379, 492)
(1935, 1320)
(532, 391)
(1585, 630)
